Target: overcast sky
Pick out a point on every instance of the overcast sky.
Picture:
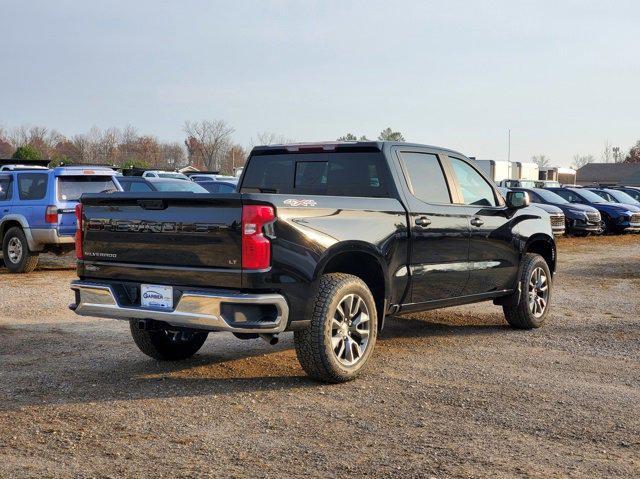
(563, 75)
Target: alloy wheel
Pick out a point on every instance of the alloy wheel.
(350, 328)
(538, 292)
(14, 250)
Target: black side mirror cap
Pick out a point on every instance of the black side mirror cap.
(517, 199)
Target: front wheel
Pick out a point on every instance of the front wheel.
(343, 330)
(165, 344)
(18, 258)
(528, 308)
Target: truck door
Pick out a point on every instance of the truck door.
(439, 229)
(493, 255)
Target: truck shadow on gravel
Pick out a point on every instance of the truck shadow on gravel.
(57, 367)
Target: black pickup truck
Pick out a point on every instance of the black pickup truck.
(324, 240)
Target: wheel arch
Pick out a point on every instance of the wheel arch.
(361, 260)
(545, 246)
(20, 221)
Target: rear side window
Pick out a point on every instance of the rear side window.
(32, 186)
(5, 188)
(361, 174)
(71, 188)
(425, 177)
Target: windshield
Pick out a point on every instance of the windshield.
(179, 186)
(177, 176)
(590, 196)
(622, 197)
(71, 188)
(527, 183)
(550, 196)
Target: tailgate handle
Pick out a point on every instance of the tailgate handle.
(152, 204)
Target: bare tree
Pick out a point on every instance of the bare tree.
(618, 157)
(580, 160)
(607, 153)
(541, 160)
(235, 157)
(209, 140)
(270, 138)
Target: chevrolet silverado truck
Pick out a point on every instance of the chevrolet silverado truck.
(325, 240)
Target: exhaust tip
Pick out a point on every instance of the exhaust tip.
(272, 339)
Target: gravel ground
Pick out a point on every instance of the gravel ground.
(450, 393)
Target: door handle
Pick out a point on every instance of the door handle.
(423, 221)
(476, 221)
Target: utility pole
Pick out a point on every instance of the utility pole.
(509, 147)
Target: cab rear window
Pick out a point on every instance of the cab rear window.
(71, 188)
(362, 174)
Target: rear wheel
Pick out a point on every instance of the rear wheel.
(343, 330)
(166, 344)
(529, 307)
(18, 258)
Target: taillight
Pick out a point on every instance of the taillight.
(256, 248)
(79, 250)
(51, 214)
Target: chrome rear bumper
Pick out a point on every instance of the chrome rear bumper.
(195, 309)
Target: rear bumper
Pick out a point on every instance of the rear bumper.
(195, 309)
(47, 236)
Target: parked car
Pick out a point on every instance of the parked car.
(547, 184)
(164, 174)
(579, 219)
(134, 184)
(211, 177)
(615, 196)
(171, 184)
(633, 191)
(325, 240)
(517, 184)
(37, 210)
(617, 218)
(556, 216)
(219, 186)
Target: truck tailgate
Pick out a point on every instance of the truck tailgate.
(161, 236)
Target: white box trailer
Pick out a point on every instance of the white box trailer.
(565, 176)
(521, 170)
(497, 170)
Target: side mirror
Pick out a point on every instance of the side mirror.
(517, 199)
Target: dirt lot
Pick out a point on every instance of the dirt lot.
(452, 393)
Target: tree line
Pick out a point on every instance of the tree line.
(609, 154)
(208, 145)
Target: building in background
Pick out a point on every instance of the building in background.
(609, 174)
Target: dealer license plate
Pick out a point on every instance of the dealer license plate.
(156, 296)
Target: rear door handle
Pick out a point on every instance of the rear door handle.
(476, 222)
(423, 221)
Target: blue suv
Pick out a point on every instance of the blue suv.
(617, 217)
(37, 210)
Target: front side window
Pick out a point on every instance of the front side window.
(5, 188)
(475, 190)
(425, 176)
(137, 187)
(32, 186)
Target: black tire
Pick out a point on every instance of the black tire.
(318, 355)
(518, 308)
(166, 345)
(26, 261)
